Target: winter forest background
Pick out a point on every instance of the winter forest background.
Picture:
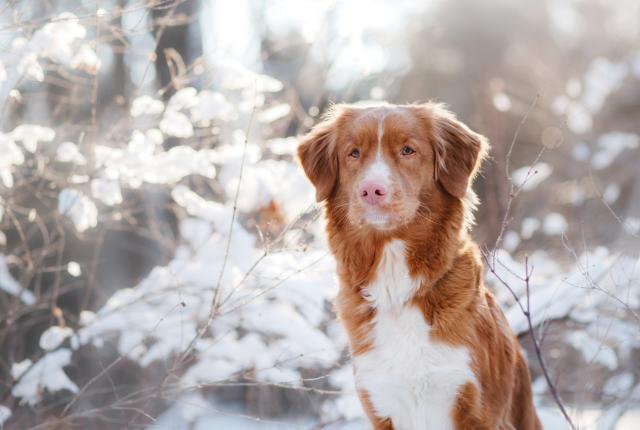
(162, 260)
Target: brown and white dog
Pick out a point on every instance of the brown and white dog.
(431, 348)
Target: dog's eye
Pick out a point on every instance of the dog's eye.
(355, 153)
(407, 150)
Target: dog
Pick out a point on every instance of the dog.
(431, 349)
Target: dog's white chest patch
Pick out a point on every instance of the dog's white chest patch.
(410, 378)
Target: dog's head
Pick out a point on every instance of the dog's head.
(382, 165)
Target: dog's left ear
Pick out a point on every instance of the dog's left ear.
(458, 150)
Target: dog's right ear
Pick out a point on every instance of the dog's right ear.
(317, 154)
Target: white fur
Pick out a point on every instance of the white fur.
(380, 133)
(378, 171)
(393, 286)
(409, 377)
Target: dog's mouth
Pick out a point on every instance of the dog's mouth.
(377, 218)
(390, 215)
(381, 218)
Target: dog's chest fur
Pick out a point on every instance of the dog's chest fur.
(409, 377)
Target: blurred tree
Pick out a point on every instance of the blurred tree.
(177, 33)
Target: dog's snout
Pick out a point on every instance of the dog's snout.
(372, 192)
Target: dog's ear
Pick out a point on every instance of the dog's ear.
(458, 151)
(317, 154)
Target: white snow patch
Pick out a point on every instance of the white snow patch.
(501, 102)
(68, 152)
(554, 224)
(593, 350)
(10, 155)
(5, 412)
(11, 286)
(53, 337)
(528, 227)
(632, 225)
(47, 373)
(611, 193)
(107, 191)
(274, 113)
(79, 208)
(176, 124)
(529, 177)
(610, 146)
(511, 240)
(145, 105)
(283, 146)
(211, 105)
(618, 384)
(184, 98)
(270, 180)
(73, 268)
(30, 135)
(581, 151)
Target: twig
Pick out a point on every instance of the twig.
(531, 329)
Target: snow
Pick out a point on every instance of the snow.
(554, 224)
(501, 102)
(585, 99)
(620, 383)
(602, 78)
(9, 285)
(632, 225)
(511, 240)
(185, 98)
(269, 180)
(211, 105)
(19, 368)
(47, 373)
(593, 350)
(145, 105)
(30, 67)
(611, 193)
(53, 337)
(144, 161)
(73, 268)
(529, 177)
(68, 152)
(197, 413)
(579, 119)
(236, 76)
(283, 146)
(86, 59)
(274, 113)
(556, 293)
(268, 321)
(30, 135)
(59, 41)
(581, 151)
(5, 412)
(528, 227)
(79, 208)
(10, 155)
(610, 146)
(107, 191)
(176, 124)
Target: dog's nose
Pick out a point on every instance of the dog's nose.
(372, 192)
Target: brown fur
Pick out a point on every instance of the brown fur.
(428, 208)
